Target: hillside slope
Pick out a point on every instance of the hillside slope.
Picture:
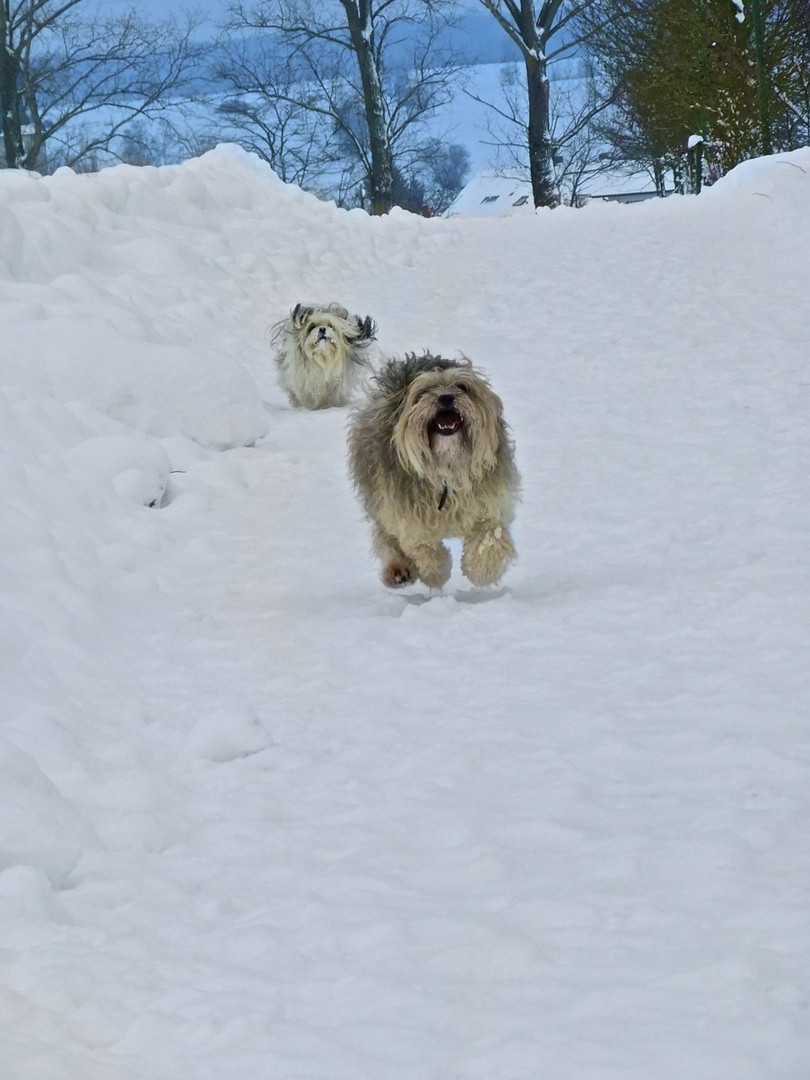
(261, 817)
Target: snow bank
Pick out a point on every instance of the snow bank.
(778, 176)
(260, 817)
(100, 254)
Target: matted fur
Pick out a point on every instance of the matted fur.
(320, 351)
(419, 486)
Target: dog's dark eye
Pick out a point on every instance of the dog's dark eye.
(462, 386)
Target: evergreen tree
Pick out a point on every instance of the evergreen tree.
(701, 84)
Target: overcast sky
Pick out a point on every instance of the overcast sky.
(157, 8)
(160, 8)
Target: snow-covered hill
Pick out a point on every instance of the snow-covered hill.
(260, 818)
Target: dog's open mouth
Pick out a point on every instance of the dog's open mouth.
(446, 422)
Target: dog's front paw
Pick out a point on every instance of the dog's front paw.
(433, 564)
(397, 573)
(486, 555)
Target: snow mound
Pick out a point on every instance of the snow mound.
(103, 252)
(39, 828)
(778, 176)
(259, 816)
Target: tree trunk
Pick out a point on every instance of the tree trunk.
(763, 88)
(9, 97)
(658, 178)
(541, 151)
(381, 178)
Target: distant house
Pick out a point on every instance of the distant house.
(491, 195)
(619, 187)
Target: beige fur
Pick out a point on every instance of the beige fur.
(320, 351)
(420, 486)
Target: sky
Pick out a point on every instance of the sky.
(161, 8)
(158, 8)
(478, 31)
(261, 816)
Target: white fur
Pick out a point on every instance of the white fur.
(321, 352)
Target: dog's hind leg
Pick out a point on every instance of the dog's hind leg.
(397, 568)
(398, 571)
(487, 553)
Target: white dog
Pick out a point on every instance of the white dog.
(320, 352)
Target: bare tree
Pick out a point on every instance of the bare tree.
(533, 25)
(369, 72)
(431, 184)
(70, 83)
(270, 106)
(580, 154)
(577, 152)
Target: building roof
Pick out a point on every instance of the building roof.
(489, 194)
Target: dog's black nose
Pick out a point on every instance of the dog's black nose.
(447, 401)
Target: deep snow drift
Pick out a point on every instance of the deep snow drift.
(260, 818)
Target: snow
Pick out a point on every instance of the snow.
(261, 817)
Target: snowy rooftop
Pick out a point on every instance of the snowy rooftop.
(491, 194)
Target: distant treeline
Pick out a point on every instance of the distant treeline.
(346, 97)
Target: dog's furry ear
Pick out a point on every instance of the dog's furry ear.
(366, 328)
(299, 315)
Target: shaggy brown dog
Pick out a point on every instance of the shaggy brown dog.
(431, 458)
(320, 353)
